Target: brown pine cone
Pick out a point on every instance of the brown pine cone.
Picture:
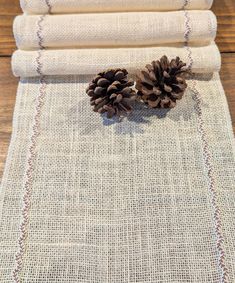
(162, 82)
(111, 92)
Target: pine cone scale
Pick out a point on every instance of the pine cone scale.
(103, 82)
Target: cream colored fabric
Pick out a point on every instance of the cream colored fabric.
(119, 202)
(206, 59)
(113, 29)
(73, 6)
(149, 198)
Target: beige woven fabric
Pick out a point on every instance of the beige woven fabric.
(112, 29)
(206, 59)
(119, 202)
(73, 6)
(149, 198)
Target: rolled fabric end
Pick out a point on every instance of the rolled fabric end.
(202, 59)
(85, 6)
(100, 30)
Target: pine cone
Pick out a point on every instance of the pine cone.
(162, 82)
(110, 92)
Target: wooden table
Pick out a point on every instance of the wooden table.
(224, 9)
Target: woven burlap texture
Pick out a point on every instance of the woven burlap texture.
(75, 6)
(113, 29)
(206, 59)
(149, 198)
(119, 202)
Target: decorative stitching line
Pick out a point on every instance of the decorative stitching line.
(39, 64)
(39, 32)
(207, 160)
(186, 2)
(49, 6)
(188, 30)
(214, 194)
(187, 33)
(40, 43)
(29, 182)
(30, 162)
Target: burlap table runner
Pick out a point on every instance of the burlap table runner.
(146, 199)
(75, 6)
(113, 29)
(204, 59)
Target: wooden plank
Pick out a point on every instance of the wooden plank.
(8, 85)
(10, 7)
(224, 10)
(228, 81)
(7, 42)
(224, 7)
(8, 10)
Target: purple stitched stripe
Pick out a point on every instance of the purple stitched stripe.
(39, 31)
(187, 33)
(207, 159)
(39, 64)
(188, 27)
(186, 2)
(49, 6)
(30, 162)
(212, 188)
(29, 183)
(40, 43)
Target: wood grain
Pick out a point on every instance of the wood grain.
(8, 10)
(228, 81)
(224, 10)
(8, 86)
(7, 42)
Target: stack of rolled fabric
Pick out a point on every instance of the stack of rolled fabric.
(148, 198)
(85, 43)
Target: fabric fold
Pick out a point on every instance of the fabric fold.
(113, 29)
(74, 6)
(204, 59)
